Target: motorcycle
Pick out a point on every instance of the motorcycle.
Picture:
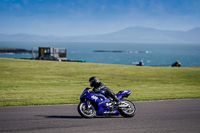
(95, 104)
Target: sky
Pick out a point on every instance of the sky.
(90, 17)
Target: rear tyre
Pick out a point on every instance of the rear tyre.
(86, 112)
(128, 111)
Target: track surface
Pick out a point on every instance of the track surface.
(171, 116)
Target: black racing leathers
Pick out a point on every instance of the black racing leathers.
(102, 87)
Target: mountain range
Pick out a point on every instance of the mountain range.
(130, 34)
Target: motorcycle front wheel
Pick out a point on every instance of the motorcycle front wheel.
(86, 112)
(128, 111)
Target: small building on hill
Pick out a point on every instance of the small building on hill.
(51, 53)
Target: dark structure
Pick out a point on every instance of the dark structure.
(50, 53)
(176, 64)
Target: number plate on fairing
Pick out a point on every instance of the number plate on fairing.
(110, 112)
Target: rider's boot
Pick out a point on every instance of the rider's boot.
(118, 102)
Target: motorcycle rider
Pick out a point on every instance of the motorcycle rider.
(99, 86)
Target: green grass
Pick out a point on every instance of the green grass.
(30, 82)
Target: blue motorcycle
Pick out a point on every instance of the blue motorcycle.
(94, 104)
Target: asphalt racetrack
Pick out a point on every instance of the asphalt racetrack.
(170, 116)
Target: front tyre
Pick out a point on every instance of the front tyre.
(86, 112)
(128, 111)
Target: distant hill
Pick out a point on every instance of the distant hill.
(130, 34)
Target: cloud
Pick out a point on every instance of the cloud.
(96, 16)
(17, 6)
(11, 4)
(103, 7)
(26, 2)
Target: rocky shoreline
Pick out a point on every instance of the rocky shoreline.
(14, 50)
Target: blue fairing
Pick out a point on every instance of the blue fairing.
(99, 101)
(122, 94)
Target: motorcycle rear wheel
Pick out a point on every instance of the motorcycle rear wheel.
(86, 112)
(128, 112)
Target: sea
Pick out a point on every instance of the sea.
(157, 55)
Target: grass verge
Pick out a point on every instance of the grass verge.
(31, 82)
